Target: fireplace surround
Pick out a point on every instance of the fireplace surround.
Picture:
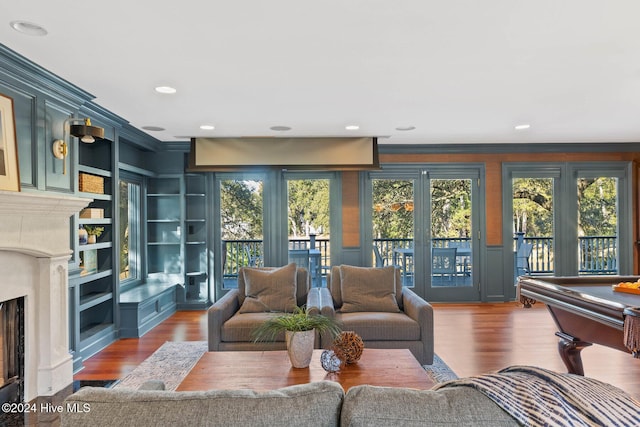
(34, 264)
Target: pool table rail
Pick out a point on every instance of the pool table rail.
(585, 309)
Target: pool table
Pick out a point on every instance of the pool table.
(585, 309)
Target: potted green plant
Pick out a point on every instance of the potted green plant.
(299, 328)
(93, 232)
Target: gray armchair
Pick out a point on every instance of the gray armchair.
(229, 328)
(373, 303)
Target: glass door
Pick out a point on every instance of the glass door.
(309, 225)
(453, 236)
(533, 225)
(393, 226)
(425, 222)
(241, 226)
(597, 225)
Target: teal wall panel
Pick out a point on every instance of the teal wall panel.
(494, 285)
(55, 180)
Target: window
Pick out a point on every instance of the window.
(129, 229)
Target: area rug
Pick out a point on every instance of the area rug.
(173, 361)
(169, 364)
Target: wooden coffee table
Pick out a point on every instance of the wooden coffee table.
(269, 370)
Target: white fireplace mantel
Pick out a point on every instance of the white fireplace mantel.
(34, 264)
(37, 223)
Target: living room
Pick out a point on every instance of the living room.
(181, 260)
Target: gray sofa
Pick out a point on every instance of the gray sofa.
(229, 329)
(373, 303)
(369, 301)
(315, 404)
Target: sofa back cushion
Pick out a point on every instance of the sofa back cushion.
(314, 404)
(302, 283)
(391, 407)
(334, 284)
(368, 289)
(269, 290)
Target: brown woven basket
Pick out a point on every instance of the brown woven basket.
(91, 183)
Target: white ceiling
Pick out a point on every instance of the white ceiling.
(460, 71)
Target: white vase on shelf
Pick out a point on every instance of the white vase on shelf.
(82, 236)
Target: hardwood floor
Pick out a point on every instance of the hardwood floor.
(471, 338)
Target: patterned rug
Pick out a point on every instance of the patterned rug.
(173, 361)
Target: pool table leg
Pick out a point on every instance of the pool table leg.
(570, 348)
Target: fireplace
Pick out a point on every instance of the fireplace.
(12, 351)
(34, 263)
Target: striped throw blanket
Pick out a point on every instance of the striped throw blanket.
(539, 397)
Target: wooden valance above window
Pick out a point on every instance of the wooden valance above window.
(308, 153)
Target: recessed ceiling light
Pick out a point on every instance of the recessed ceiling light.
(352, 127)
(280, 128)
(153, 128)
(207, 127)
(405, 128)
(28, 28)
(522, 126)
(166, 90)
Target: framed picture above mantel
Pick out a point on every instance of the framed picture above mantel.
(9, 173)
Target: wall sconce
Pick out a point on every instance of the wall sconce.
(86, 132)
(60, 151)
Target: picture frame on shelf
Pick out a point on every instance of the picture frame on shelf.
(9, 170)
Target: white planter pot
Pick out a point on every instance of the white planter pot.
(300, 347)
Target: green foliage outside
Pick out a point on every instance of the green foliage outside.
(597, 212)
(241, 209)
(393, 215)
(451, 208)
(533, 206)
(393, 208)
(308, 208)
(597, 206)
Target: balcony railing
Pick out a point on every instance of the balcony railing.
(596, 254)
(241, 253)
